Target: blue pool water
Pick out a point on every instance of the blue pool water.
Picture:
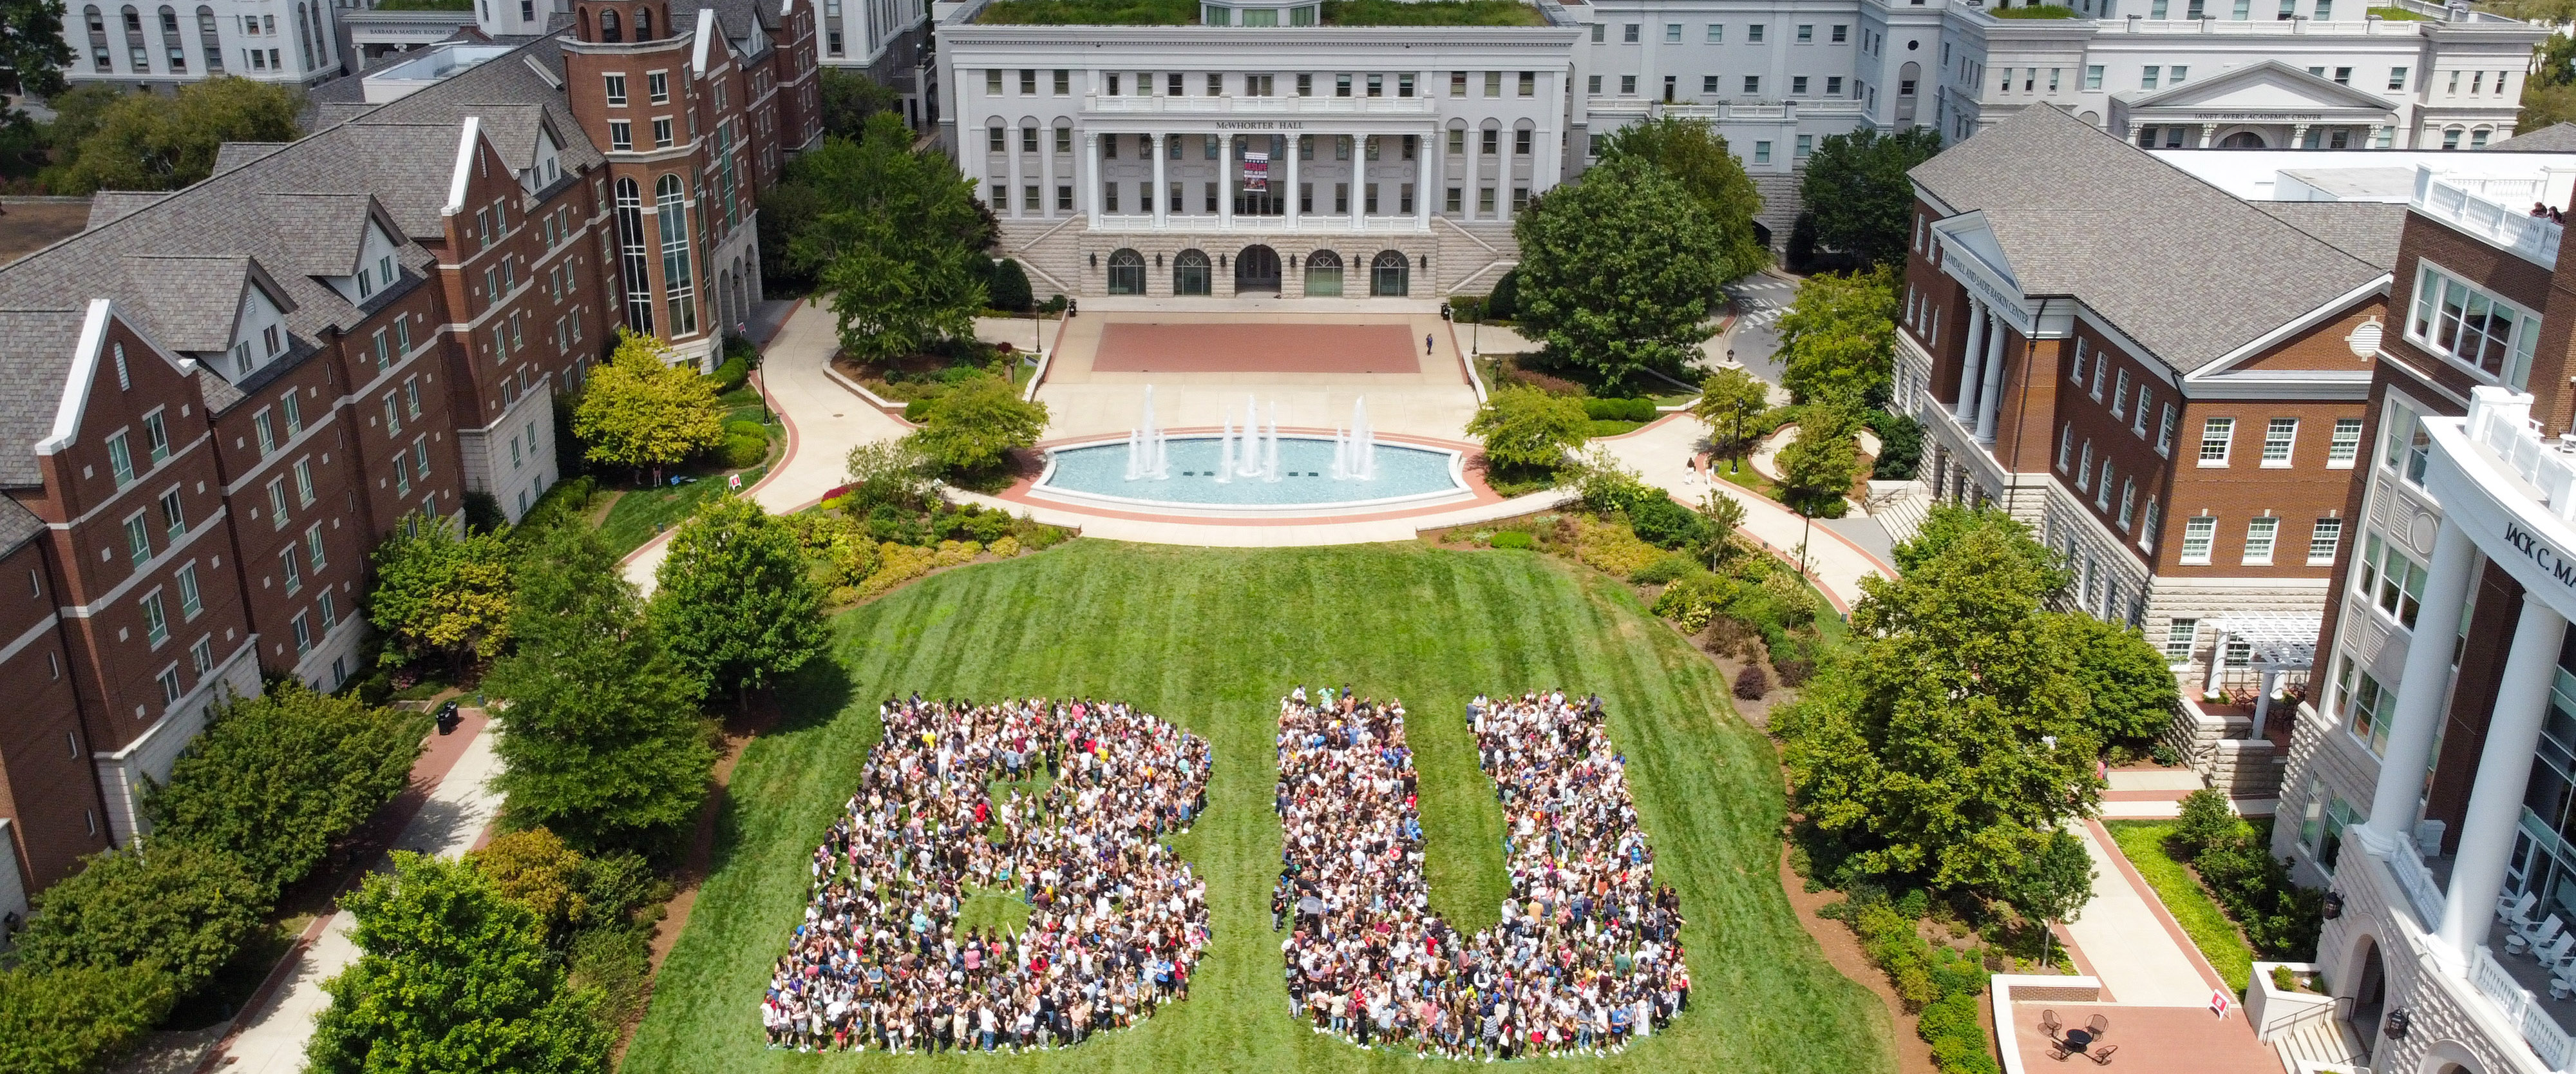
(1305, 475)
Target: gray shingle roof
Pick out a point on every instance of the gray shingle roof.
(35, 357)
(231, 155)
(17, 525)
(107, 205)
(2555, 138)
(2184, 268)
(2368, 230)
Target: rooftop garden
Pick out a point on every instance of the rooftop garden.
(1336, 13)
(2399, 14)
(2033, 11)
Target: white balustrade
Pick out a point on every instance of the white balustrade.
(2500, 421)
(2534, 238)
(2416, 881)
(2521, 1009)
(1140, 104)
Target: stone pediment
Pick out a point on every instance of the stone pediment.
(2267, 90)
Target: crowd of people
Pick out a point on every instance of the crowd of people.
(1587, 955)
(1115, 920)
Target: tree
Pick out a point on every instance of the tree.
(732, 601)
(1008, 287)
(69, 1021)
(1948, 524)
(600, 731)
(276, 779)
(638, 410)
(2549, 95)
(2130, 690)
(1724, 516)
(1729, 401)
(439, 592)
(975, 425)
(1817, 468)
(1528, 429)
(887, 472)
(1618, 271)
(537, 868)
(31, 44)
(146, 141)
(1691, 151)
(179, 908)
(1838, 340)
(452, 976)
(850, 99)
(1857, 188)
(1954, 737)
(2054, 885)
(897, 244)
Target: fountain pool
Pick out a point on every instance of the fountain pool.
(1097, 472)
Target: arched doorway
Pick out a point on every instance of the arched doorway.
(1323, 274)
(1390, 274)
(2369, 996)
(2241, 140)
(1256, 271)
(1189, 273)
(1126, 273)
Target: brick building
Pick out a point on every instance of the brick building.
(217, 401)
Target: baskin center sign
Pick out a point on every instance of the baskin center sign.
(2543, 555)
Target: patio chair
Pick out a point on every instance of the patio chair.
(2058, 1050)
(2533, 938)
(2557, 952)
(2099, 1024)
(2102, 1056)
(2048, 1022)
(2516, 911)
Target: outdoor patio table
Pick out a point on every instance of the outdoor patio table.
(2077, 1040)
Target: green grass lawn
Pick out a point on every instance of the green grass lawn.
(1091, 12)
(1210, 639)
(2398, 14)
(641, 513)
(2143, 841)
(1431, 13)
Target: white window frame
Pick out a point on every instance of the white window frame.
(2262, 539)
(2288, 445)
(2225, 428)
(2344, 448)
(2514, 363)
(2325, 539)
(2199, 537)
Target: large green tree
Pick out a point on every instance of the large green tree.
(1618, 271)
(31, 44)
(2129, 687)
(1838, 340)
(1955, 737)
(1857, 190)
(147, 141)
(600, 728)
(1692, 151)
(180, 908)
(69, 1021)
(732, 600)
(639, 410)
(276, 779)
(975, 425)
(1818, 467)
(452, 977)
(1527, 429)
(440, 593)
(897, 246)
(1729, 401)
(850, 99)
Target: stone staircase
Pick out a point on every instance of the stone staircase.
(1900, 507)
(2321, 1044)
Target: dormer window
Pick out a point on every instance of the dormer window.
(385, 270)
(273, 339)
(366, 282)
(241, 359)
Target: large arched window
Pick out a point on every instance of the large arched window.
(211, 41)
(1323, 274)
(1189, 273)
(632, 274)
(673, 222)
(1390, 274)
(608, 30)
(1126, 273)
(170, 47)
(643, 24)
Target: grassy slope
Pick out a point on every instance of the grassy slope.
(2210, 930)
(1210, 638)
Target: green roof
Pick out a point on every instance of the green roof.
(1431, 13)
(2033, 11)
(1186, 13)
(1090, 13)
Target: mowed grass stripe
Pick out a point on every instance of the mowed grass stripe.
(1209, 639)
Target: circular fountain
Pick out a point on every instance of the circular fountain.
(1251, 468)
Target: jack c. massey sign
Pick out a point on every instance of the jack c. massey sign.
(2544, 555)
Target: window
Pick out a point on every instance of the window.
(616, 89)
(156, 624)
(330, 609)
(1707, 84)
(1716, 33)
(662, 134)
(156, 438)
(1761, 150)
(120, 460)
(303, 633)
(2390, 580)
(2138, 416)
(621, 134)
(2323, 541)
(1797, 85)
(2215, 433)
(1753, 34)
(1806, 33)
(1752, 85)
(1628, 85)
(313, 548)
(1628, 33)
(277, 502)
(1673, 33)
(2147, 78)
(2147, 527)
(2179, 636)
(1529, 84)
(138, 540)
(2472, 327)
(1806, 146)
(2165, 429)
(2065, 445)
(2198, 534)
(2259, 536)
(290, 408)
(174, 523)
(2076, 372)
(2128, 498)
(1841, 33)
(2119, 393)
(2279, 437)
(2093, 76)
(2346, 444)
(2397, 78)
(304, 482)
(190, 601)
(2102, 492)
(2099, 368)
(2084, 469)
(2363, 701)
(288, 572)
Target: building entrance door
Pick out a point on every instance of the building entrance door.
(1256, 271)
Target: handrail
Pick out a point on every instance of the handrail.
(2309, 1015)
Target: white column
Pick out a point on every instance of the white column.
(1091, 178)
(1422, 185)
(1224, 180)
(2504, 772)
(1991, 398)
(1971, 358)
(1019, 203)
(1293, 153)
(2424, 687)
(1162, 191)
(1503, 175)
(1046, 172)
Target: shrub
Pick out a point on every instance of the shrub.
(744, 451)
(1751, 683)
(897, 564)
(1666, 569)
(1794, 673)
(1900, 446)
(2205, 822)
(1513, 539)
(1008, 287)
(1940, 983)
(1612, 548)
(1504, 303)
(1004, 547)
(1661, 522)
(957, 553)
(746, 427)
(1619, 409)
(735, 371)
(180, 908)
(71, 1020)
(1036, 536)
(2284, 980)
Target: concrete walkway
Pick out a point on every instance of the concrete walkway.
(2125, 937)
(1661, 453)
(271, 1035)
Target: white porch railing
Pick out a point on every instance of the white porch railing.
(2534, 238)
(1135, 104)
(2416, 881)
(2500, 421)
(2522, 1009)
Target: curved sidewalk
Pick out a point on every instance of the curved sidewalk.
(1661, 453)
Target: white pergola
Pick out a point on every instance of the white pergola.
(2277, 642)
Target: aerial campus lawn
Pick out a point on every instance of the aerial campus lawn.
(1210, 639)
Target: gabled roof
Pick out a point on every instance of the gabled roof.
(17, 525)
(2259, 85)
(2368, 230)
(36, 350)
(2185, 269)
(107, 205)
(333, 228)
(232, 155)
(2559, 137)
(191, 302)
